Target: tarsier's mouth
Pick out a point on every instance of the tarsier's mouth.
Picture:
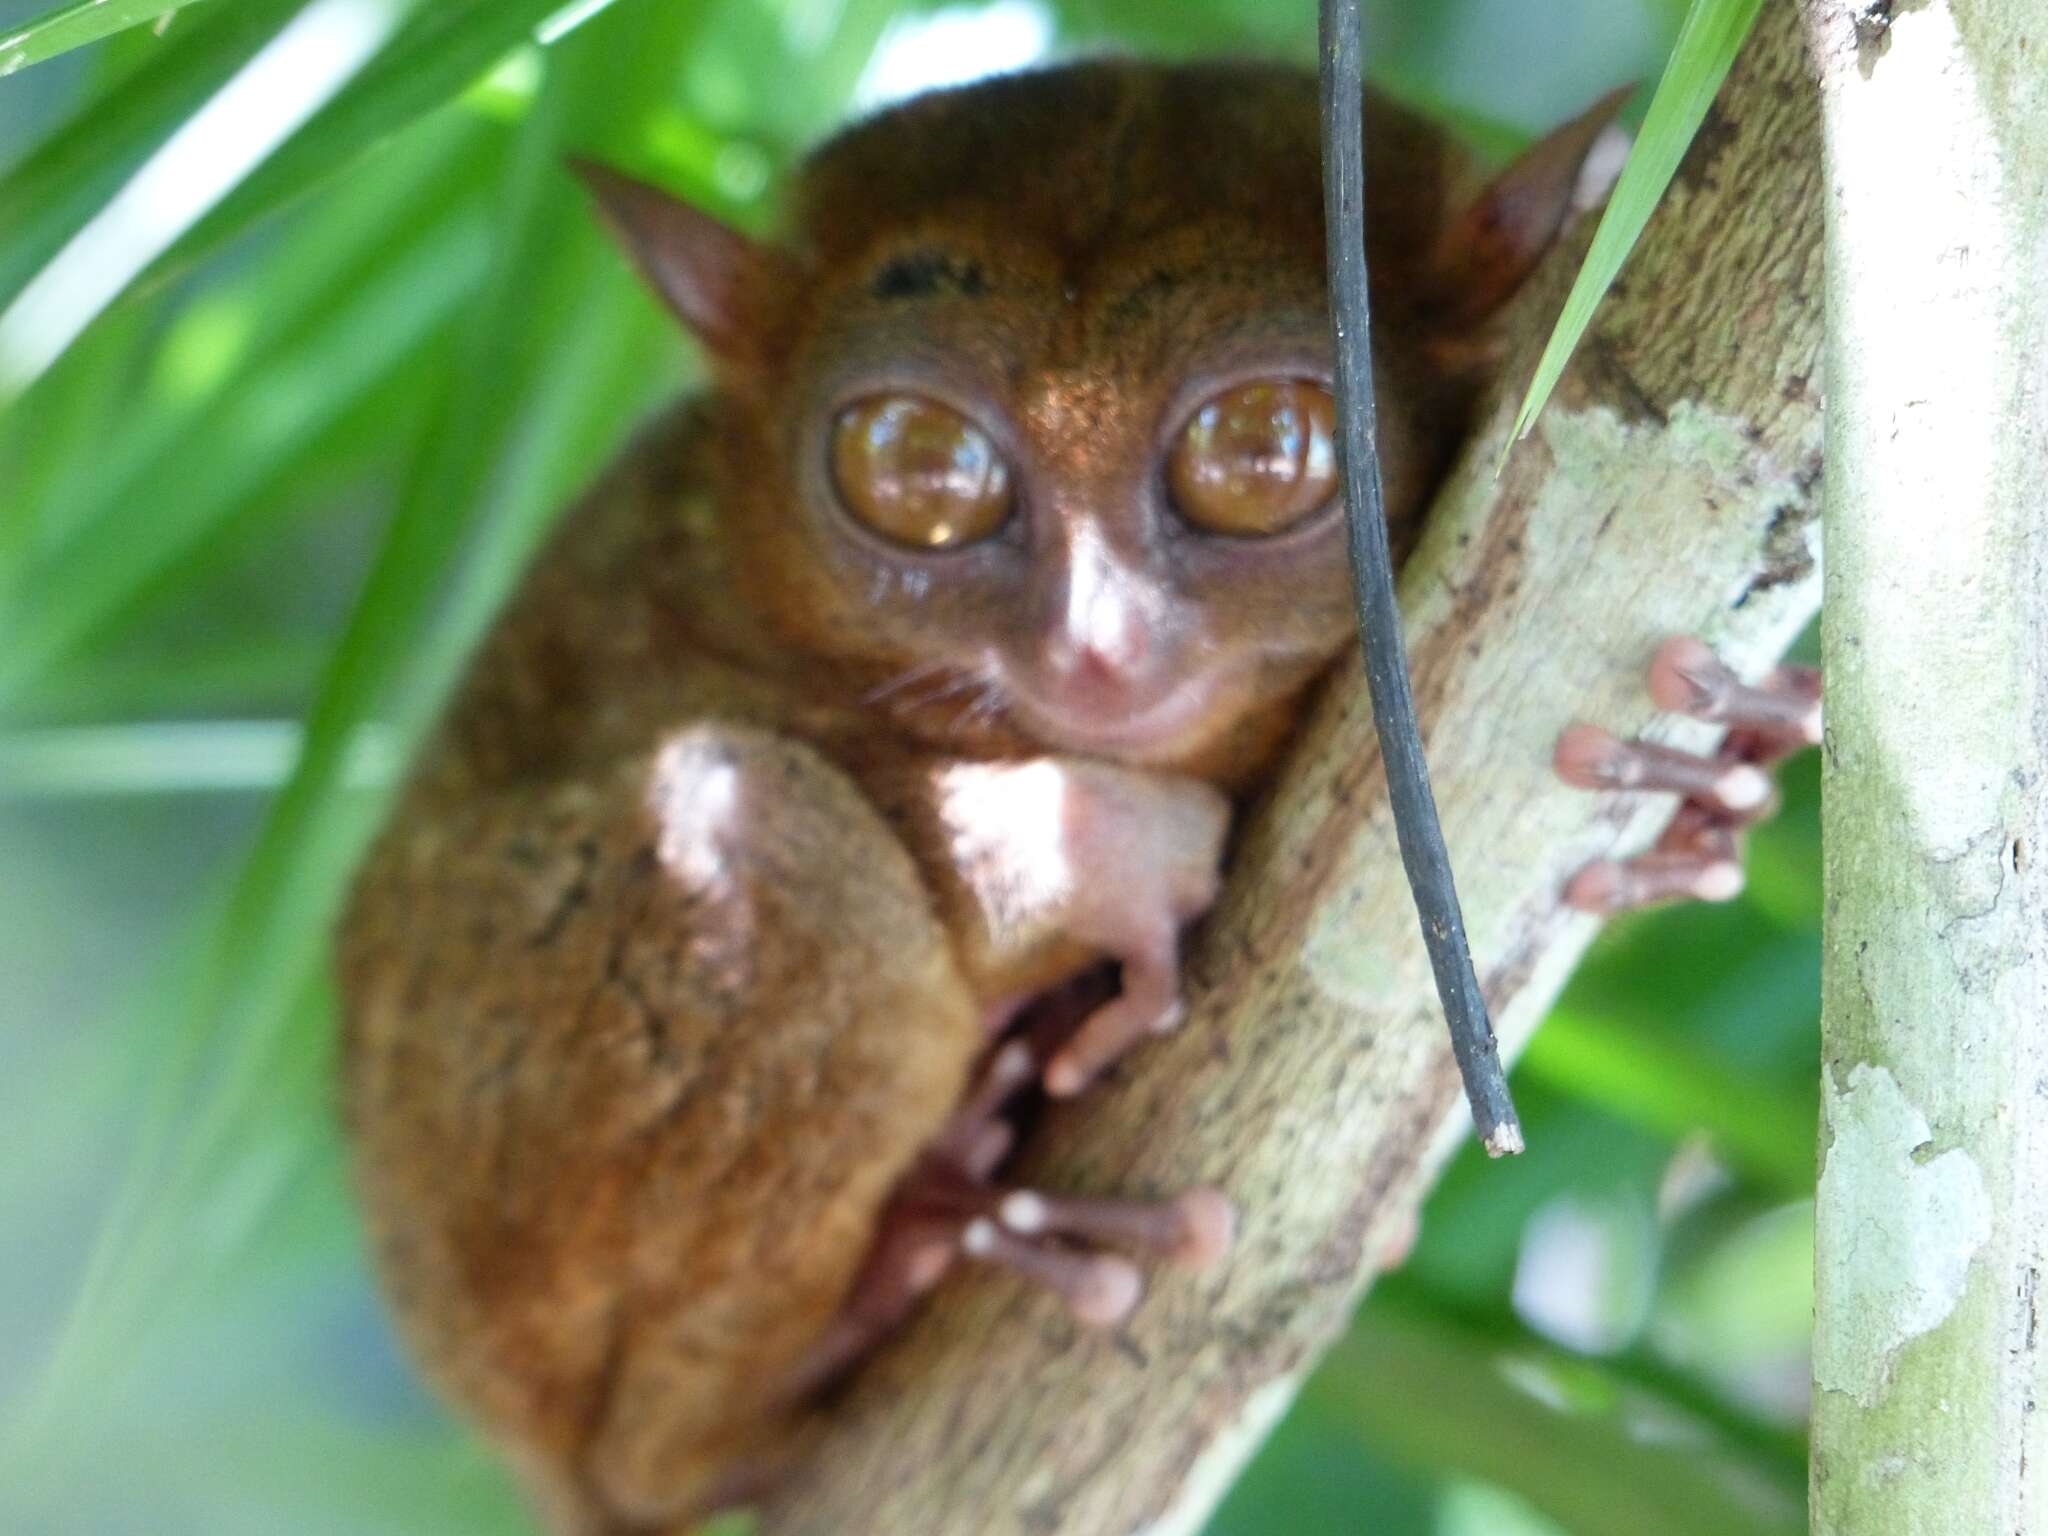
(1129, 729)
(1146, 731)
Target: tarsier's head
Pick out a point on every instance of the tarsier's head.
(1028, 415)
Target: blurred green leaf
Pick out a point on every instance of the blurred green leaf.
(263, 302)
(445, 47)
(1472, 1229)
(63, 423)
(1599, 1459)
(507, 413)
(1176, 28)
(73, 26)
(322, 319)
(1639, 1071)
(182, 497)
(1479, 1509)
(201, 678)
(1316, 1477)
(52, 192)
(303, 1473)
(1736, 1313)
(1707, 42)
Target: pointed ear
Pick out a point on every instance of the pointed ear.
(1486, 253)
(718, 282)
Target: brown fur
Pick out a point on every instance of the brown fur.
(663, 973)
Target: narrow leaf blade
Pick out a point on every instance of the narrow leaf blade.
(73, 26)
(1706, 47)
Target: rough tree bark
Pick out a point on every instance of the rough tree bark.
(1933, 1202)
(1669, 488)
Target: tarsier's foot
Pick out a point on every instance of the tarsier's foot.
(942, 1213)
(1088, 1251)
(1699, 855)
(1062, 1241)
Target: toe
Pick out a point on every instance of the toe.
(1686, 676)
(1616, 885)
(1591, 758)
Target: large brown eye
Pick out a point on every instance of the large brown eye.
(918, 472)
(1256, 459)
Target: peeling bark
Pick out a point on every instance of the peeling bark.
(1669, 488)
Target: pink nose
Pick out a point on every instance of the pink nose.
(1105, 623)
(1094, 663)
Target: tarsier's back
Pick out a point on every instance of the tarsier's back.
(848, 768)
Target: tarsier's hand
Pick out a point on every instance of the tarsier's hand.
(1699, 855)
(1112, 862)
(1146, 854)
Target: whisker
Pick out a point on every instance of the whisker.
(965, 682)
(917, 674)
(935, 682)
(985, 706)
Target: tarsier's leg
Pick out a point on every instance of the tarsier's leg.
(634, 1062)
(1699, 855)
(1073, 1246)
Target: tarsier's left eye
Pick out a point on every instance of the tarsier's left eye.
(1256, 459)
(918, 472)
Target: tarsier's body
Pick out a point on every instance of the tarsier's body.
(791, 781)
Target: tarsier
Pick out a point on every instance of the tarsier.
(847, 771)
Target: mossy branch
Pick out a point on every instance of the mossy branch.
(1932, 1219)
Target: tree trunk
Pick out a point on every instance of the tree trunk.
(1669, 488)
(1933, 1202)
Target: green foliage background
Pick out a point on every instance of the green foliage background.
(285, 479)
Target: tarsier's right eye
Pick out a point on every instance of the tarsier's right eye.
(919, 473)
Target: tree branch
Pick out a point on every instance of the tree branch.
(1669, 488)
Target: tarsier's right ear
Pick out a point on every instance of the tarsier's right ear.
(719, 283)
(1486, 253)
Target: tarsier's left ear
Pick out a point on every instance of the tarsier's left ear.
(720, 284)
(1487, 252)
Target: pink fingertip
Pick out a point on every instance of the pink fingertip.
(1679, 673)
(927, 1266)
(1719, 882)
(1743, 787)
(1106, 1293)
(1211, 1223)
(1023, 1212)
(989, 1146)
(1585, 756)
(1401, 1241)
(1063, 1077)
(1597, 888)
(1011, 1064)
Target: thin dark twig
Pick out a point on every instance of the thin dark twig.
(1379, 623)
